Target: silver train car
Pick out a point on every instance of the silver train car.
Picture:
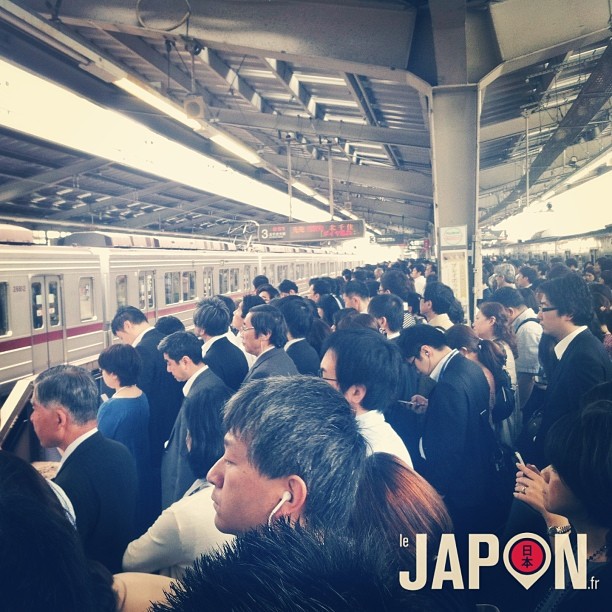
(56, 302)
(585, 247)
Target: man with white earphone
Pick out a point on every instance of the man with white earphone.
(274, 467)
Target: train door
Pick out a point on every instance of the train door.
(146, 292)
(48, 333)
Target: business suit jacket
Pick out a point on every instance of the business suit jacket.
(164, 392)
(228, 362)
(176, 473)
(583, 365)
(305, 358)
(452, 439)
(99, 477)
(274, 362)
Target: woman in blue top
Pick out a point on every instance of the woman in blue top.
(125, 418)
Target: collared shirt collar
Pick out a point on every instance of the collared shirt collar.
(437, 371)
(187, 386)
(206, 346)
(73, 445)
(140, 336)
(392, 335)
(293, 341)
(370, 418)
(562, 345)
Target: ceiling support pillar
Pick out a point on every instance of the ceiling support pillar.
(455, 155)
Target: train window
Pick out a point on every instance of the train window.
(234, 280)
(172, 285)
(282, 272)
(4, 326)
(146, 290)
(189, 286)
(86, 298)
(223, 281)
(54, 306)
(121, 290)
(246, 279)
(208, 282)
(38, 319)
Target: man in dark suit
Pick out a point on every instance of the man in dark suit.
(225, 359)
(298, 317)
(565, 312)
(98, 475)
(264, 333)
(182, 353)
(455, 433)
(164, 393)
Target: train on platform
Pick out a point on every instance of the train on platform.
(585, 247)
(56, 302)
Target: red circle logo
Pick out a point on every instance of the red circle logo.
(527, 556)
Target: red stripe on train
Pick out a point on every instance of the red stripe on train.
(43, 338)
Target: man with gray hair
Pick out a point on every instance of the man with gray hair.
(97, 474)
(505, 275)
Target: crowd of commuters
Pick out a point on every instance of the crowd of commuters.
(285, 452)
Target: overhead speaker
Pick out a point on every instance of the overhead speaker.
(194, 106)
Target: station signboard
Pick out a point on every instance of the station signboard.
(311, 232)
(392, 239)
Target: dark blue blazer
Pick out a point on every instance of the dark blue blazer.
(164, 392)
(274, 362)
(228, 362)
(305, 357)
(100, 479)
(584, 364)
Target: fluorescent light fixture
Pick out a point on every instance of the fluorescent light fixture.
(156, 101)
(322, 199)
(309, 191)
(237, 148)
(72, 121)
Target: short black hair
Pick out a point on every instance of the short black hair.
(529, 273)
(285, 286)
(227, 300)
(411, 340)
(169, 324)
(122, 360)
(365, 357)
(260, 279)
(248, 302)
(389, 306)
(357, 288)
(269, 289)
(127, 313)
(297, 313)
(397, 282)
(181, 344)
(570, 295)
(212, 316)
(440, 295)
(508, 297)
(320, 286)
(267, 319)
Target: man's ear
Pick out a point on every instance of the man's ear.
(63, 417)
(354, 394)
(299, 492)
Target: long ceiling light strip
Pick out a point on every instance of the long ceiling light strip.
(70, 120)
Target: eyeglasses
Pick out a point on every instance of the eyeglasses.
(321, 374)
(547, 308)
(245, 329)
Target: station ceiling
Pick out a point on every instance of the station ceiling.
(325, 92)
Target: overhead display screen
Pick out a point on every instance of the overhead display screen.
(311, 232)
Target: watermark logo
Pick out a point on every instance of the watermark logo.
(526, 556)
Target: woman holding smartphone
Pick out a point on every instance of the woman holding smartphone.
(574, 495)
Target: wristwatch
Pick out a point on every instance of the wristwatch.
(556, 530)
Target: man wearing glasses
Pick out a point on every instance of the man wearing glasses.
(565, 312)
(264, 334)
